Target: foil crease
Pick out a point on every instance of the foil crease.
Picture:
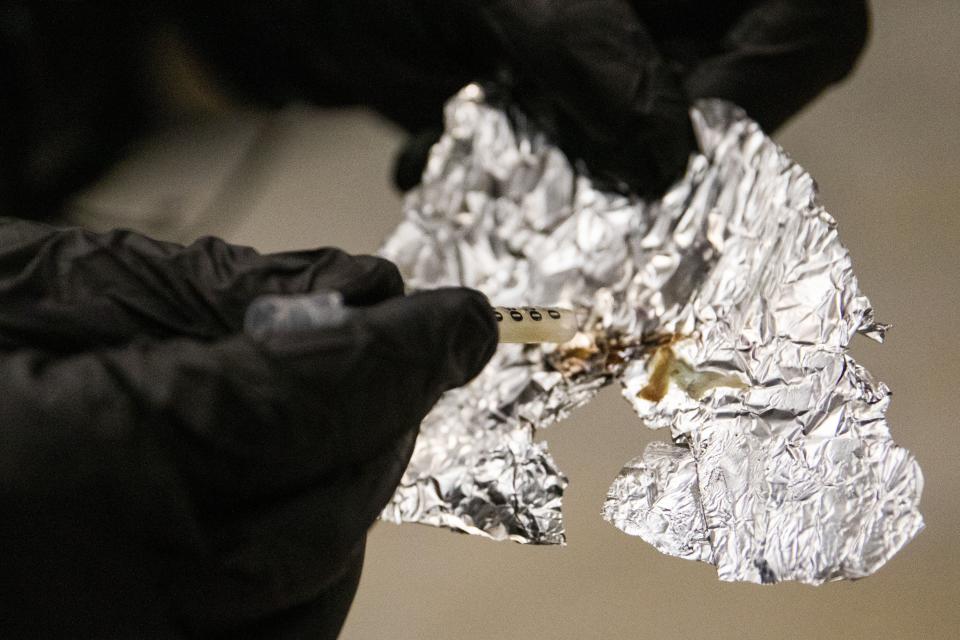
(723, 309)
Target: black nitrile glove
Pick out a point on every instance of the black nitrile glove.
(162, 474)
(611, 80)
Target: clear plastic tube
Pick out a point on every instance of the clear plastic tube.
(275, 314)
(535, 324)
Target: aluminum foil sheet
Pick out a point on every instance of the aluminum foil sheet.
(724, 310)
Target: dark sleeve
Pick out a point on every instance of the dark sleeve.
(782, 54)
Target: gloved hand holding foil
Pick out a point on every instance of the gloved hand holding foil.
(723, 309)
(610, 80)
(165, 474)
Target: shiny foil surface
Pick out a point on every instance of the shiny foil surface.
(724, 310)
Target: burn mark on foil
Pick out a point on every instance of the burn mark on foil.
(593, 353)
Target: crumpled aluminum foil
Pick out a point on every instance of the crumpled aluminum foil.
(724, 310)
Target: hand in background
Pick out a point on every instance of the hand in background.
(610, 80)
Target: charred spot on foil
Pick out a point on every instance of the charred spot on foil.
(592, 352)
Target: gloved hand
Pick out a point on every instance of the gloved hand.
(610, 80)
(162, 474)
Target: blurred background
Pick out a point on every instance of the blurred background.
(885, 149)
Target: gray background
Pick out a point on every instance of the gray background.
(885, 149)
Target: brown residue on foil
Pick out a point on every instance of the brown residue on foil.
(592, 352)
(663, 364)
(665, 368)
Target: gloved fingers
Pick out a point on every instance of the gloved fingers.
(67, 290)
(383, 371)
(217, 281)
(243, 460)
(781, 55)
(592, 75)
(431, 340)
(234, 422)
